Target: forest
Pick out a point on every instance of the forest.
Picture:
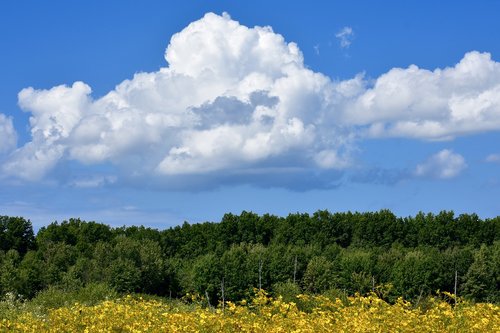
(339, 253)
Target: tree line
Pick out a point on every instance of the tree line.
(341, 253)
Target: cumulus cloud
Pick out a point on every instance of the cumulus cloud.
(442, 165)
(431, 105)
(345, 36)
(237, 104)
(7, 134)
(232, 97)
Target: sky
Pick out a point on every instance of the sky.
(159, 112)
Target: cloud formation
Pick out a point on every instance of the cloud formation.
(232, 97)
(237, 104)
(345, 36)
(431, 105)
(443, 165)
(7, 134)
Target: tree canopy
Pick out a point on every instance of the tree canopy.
(323, 252)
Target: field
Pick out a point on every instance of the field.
(260, 314)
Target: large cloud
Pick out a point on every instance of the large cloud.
(236, 102)
(232, 97)
(7, 134)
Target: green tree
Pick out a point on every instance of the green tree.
(58, 257)
(480, 281)
(30, 274)
(238, 281)
(206, 276)
(152, 268)
(319, 275)
(417, 273)
(356, 270)
(125, 276)
(258, 266)
(9, 282)
(16, 233)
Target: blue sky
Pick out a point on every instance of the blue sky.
(159, 112)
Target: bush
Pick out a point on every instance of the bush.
(287, 290)
(91, 294)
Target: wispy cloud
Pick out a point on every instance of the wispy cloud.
(316, 49)
(8, 135)
(93, 181)
(493, 158)
(381, 176)
(345, 36)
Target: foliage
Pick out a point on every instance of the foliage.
(340, 253)
(53, 298)
(16, 233)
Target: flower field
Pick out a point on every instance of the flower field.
(261, 314)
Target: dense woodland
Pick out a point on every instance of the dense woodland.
(339, 253)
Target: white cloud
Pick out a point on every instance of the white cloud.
(237, 101)
(55, 113)
(442, 165)
(431, 105)
(493, 158)
(232, 97)
(345, 36)
(7, 134)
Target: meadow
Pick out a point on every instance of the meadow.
(262, 313)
